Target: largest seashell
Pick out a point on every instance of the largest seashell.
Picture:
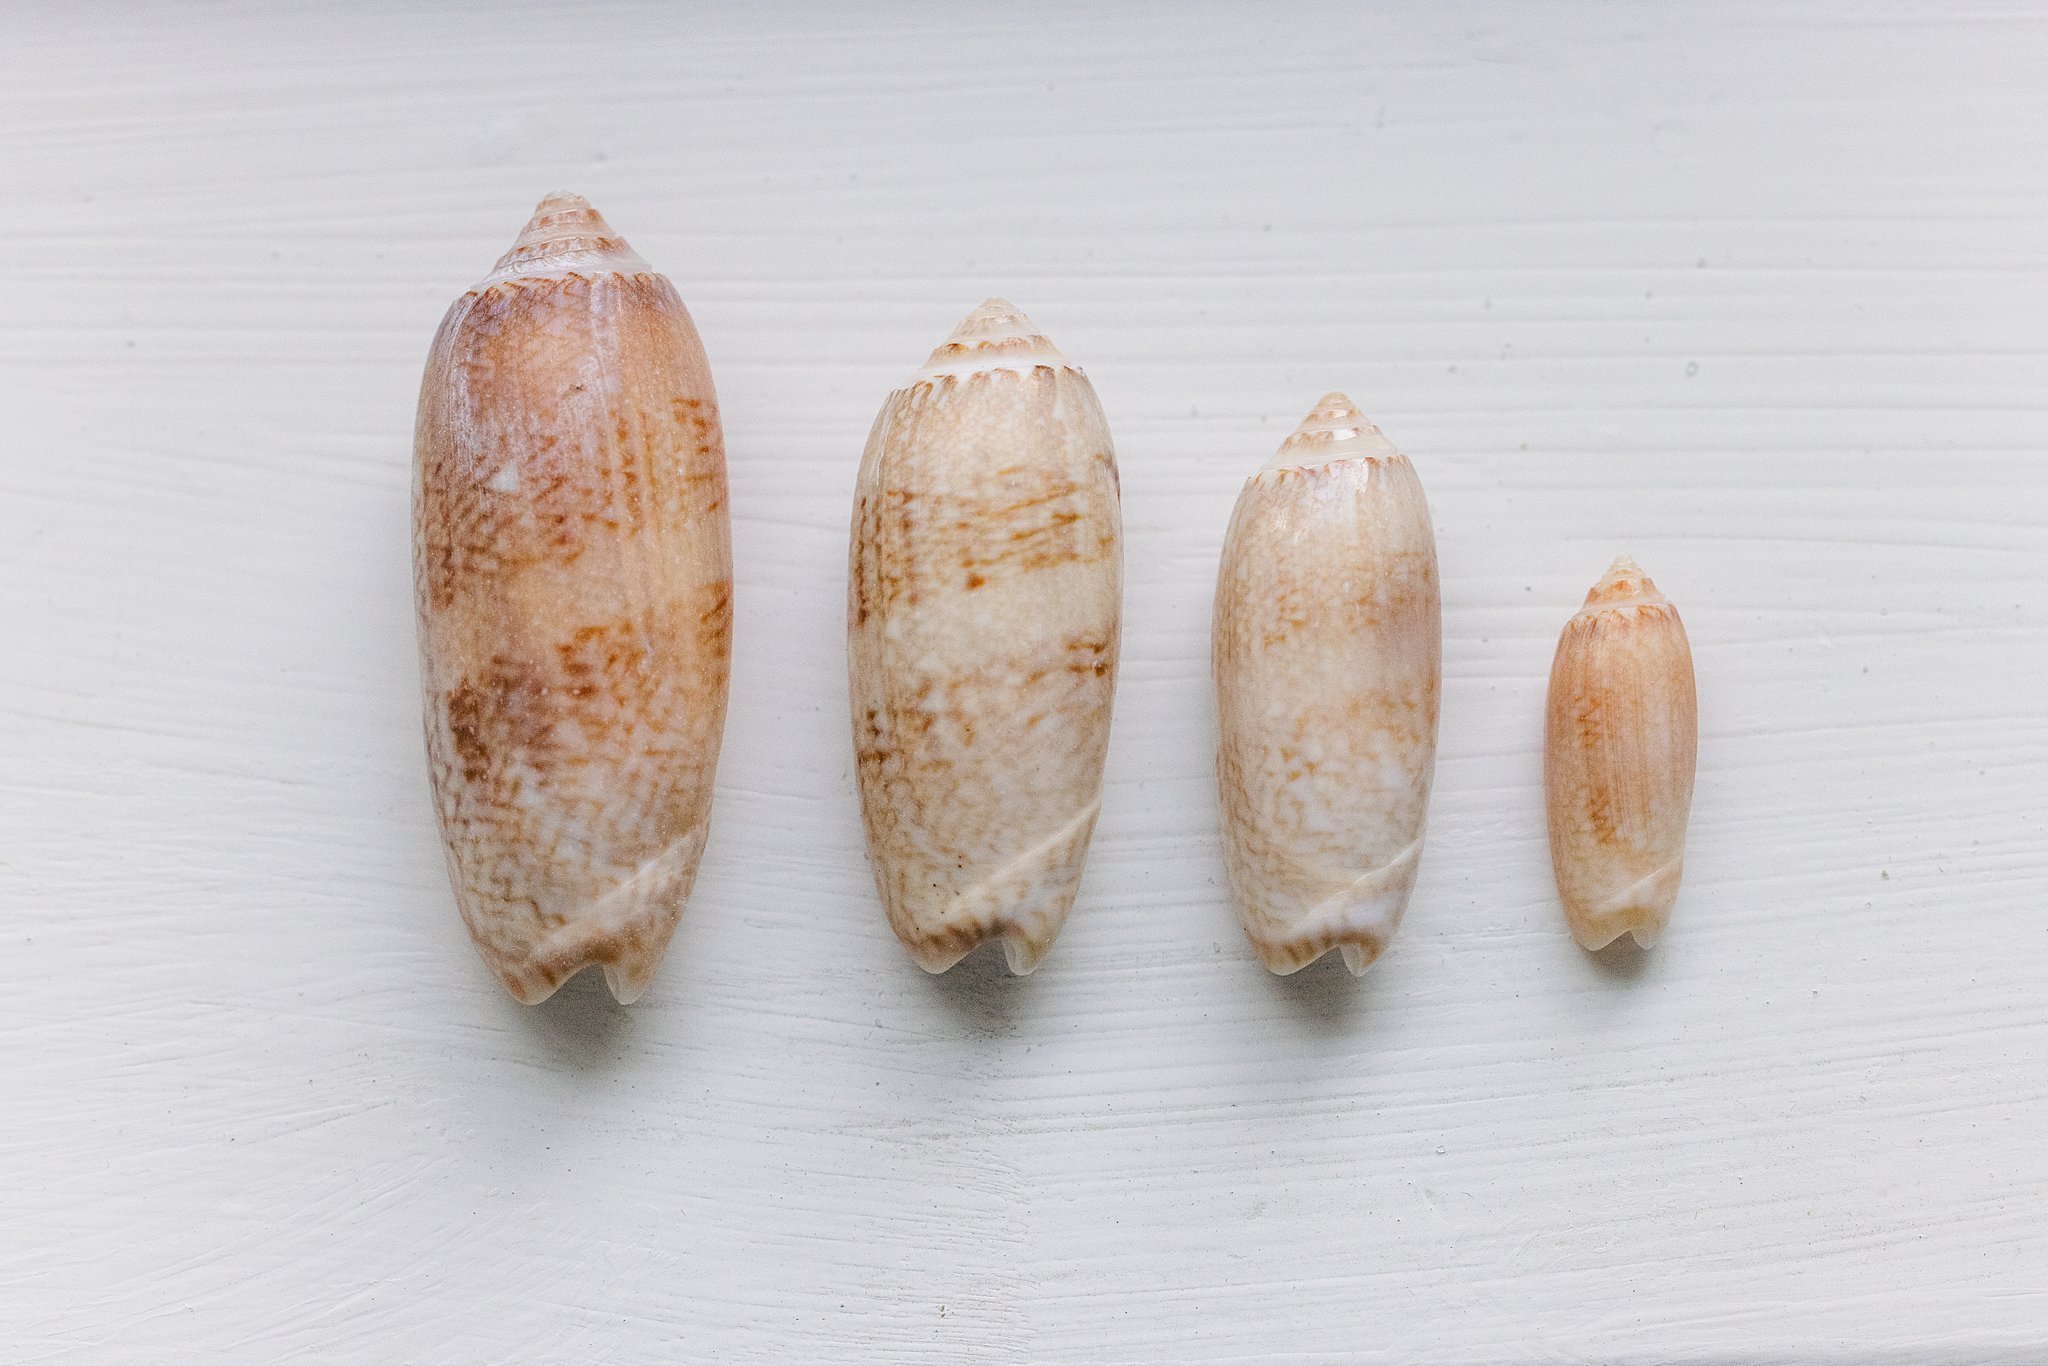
(1328, 659)
(982, 618)
(573, 568)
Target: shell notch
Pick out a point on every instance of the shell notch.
(995, 336)
(565, 236)
(1333, 430)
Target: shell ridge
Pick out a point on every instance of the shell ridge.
(1067, 832)
(1387, 872)
(1645, 892)
(1331, 920)
(574, 946)
(1007, 921)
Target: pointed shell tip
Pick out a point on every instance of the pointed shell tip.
(560, 201)
(1333, 430)
(1624, 581)
(995, 336)
(994, 320)
(564, 234)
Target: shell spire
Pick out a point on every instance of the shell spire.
(995, 336)
(564, 236)
(1333, 430)
(1624, 581)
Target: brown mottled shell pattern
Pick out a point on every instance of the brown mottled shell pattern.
(983, 613)
(1620, 743)
(573, 571)
(574, 581)
(1328, 668)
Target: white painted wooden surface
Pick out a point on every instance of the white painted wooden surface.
(1756, 292)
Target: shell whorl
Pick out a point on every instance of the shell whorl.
(565, 236)
(1623, 584)
(995, 336)
(1333, 430)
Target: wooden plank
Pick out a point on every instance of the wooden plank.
(1755, 293)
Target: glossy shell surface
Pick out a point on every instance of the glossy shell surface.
(1620, 745)
(984, 605)
(1327, 654)
(573, 576)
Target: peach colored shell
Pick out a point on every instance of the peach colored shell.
(573, 573)
(984, 599)
(1328, 666)
(1620, 741)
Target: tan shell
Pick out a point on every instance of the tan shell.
(1619, 745)
(984, 599)
(1328, 661)
(573, 570)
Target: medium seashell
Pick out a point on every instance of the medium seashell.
(573, 569)
(985, 592)
(1328, 661)
(1619, 748)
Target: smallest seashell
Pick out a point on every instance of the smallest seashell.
(1619, 747)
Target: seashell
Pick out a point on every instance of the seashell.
(1619, 744)
(573, 571)
(984, 598)
(1328, 662)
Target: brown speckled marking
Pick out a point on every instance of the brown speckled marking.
(1620, 742)
(983, 608)
(1328, 662)
(574, 583)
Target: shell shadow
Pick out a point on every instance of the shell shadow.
(1324, 998)
(581, 1027)
(981, 991)
(1621, 962)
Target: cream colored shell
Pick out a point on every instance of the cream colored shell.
(1328, 665)
(984, 600)
(573, 571)
(1619, 747)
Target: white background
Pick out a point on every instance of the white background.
(1756, 293)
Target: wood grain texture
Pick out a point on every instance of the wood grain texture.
(1756, 293)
